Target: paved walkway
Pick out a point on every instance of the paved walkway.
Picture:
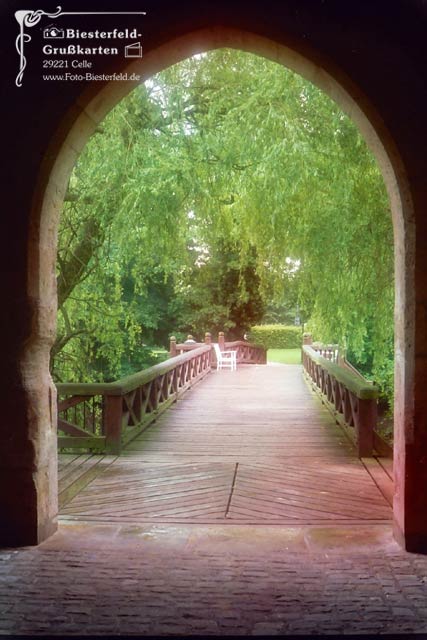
(141, 573)
(213, 580)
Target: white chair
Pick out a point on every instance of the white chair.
(225, 359)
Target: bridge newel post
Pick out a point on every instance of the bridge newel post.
(366, 421)
(113, 411)
(221, 340)
(208, 340)
(172, 346)
(307, 338)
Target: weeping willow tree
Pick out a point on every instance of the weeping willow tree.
(225, 154)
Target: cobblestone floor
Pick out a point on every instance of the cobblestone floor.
(210, 580)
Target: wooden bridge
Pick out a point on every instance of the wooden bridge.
(256, 445)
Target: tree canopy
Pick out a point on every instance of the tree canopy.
(225, 189)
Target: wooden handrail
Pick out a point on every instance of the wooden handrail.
(185, 347)
(352, 400)
(241, 343)
(354, 382)
(105, 416)
(124, 385)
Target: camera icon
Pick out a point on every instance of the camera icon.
(53, 33)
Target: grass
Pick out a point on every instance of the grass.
(284, 356)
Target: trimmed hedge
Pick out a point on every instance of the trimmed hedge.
(276, 336)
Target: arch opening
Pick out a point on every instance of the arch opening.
(69, 142)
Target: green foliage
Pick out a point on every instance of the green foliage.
(377, 365)
(276, 336)
(222, 294)
(225, 192)
(141, 358)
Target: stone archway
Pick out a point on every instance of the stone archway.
(38, 474)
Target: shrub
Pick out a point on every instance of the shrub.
(276, 336)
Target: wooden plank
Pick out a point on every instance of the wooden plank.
(387, 465)
(381, 478)
(152, 490)
(83, 476)
(382, 447)
(77, 468)
(366, 496)
(64, 461)
(73, 460)
(288, 501)
(295, 464)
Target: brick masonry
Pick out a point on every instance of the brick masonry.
(213, 580)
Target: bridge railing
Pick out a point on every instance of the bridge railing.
(246, 352)
(106, 416)
(352, 399)
(328, 351)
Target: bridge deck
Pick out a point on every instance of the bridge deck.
(252, 446)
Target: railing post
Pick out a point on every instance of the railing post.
(113, 423)
(172, 346)
(307, 338)
(221, 340)
(208, 340)
(262, 355)
(366, 422)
